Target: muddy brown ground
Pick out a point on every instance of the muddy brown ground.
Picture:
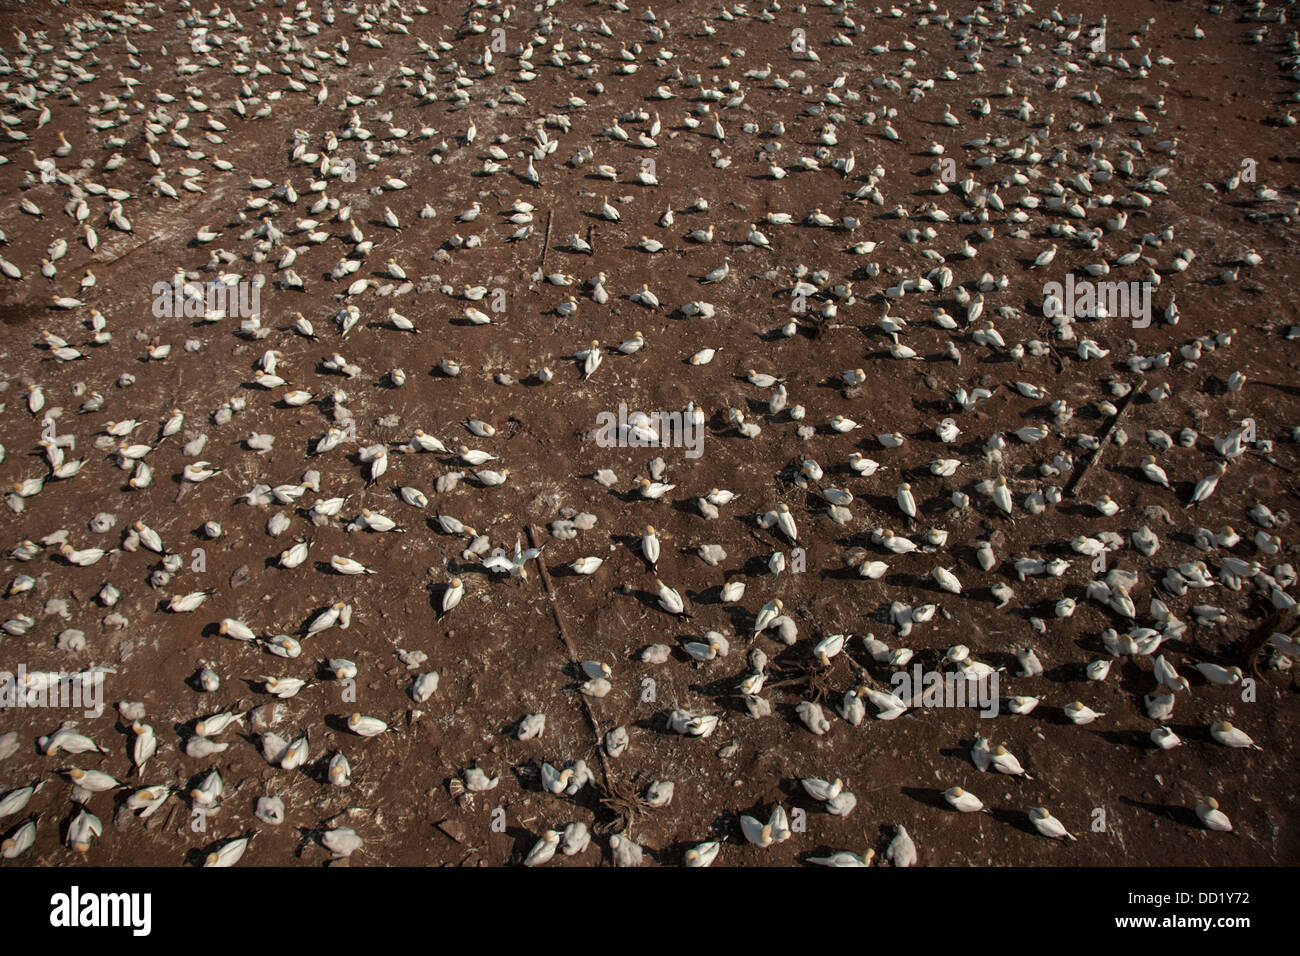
(500, 655)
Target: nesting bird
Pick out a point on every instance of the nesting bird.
(895, 334)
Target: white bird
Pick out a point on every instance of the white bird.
(767, 615)
(775, 830)
(1153, 472)
(1048, 825)
(703, 854)
(230, 853)
(901, 851)
(1080, 713)
(453, 595)
(366, 726)
(650, 545)
(1226, 734)
(963, 801)
(1205, 487)
(543, 850)
(843, 858)
(906, 501)
(344, 565)
(1208, 812)
(1003, 761)
(669, 599)
(1164, 738)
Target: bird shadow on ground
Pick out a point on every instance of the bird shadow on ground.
(928, 797)
(960, 752)
(1126, 738)
(523, 841)
(651, 601)
(1004, 660)
(318, 770)
(338, 724)
(323, 671)
(885, 834)
(1063, 673)
(1135, 681)
(1014, 818)
(724, 696)
(1176, 814)
(186, 729)
(563, 571)
(311, 836)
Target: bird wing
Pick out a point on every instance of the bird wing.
(752, 829)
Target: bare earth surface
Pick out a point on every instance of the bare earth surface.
(1157, 124)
